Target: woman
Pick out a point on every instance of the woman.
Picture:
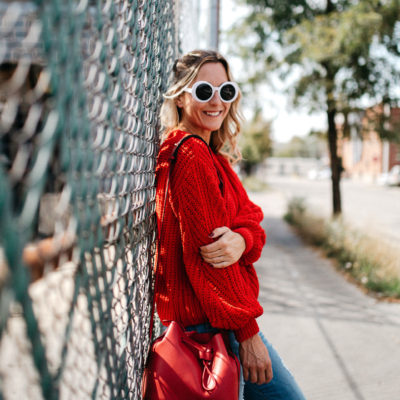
(211, 233)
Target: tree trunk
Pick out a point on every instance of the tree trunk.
(248, 168)
(336, 164)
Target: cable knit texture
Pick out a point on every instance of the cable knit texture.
(189, 290)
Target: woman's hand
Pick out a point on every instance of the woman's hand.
(255, 361)
(226, 250)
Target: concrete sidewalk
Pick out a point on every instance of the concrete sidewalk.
(339, 343)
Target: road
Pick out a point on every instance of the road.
(372, 208)
(339, 343)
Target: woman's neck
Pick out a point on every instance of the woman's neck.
(204, 134)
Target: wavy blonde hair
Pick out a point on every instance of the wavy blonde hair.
(185, 70)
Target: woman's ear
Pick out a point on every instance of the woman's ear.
(179, 101)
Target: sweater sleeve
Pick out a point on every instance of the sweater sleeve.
(247, 221)
(200, 208)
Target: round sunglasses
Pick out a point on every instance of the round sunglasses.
(203, 91)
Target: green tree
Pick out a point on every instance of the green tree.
(311, 146)
(255, 142)
(336, 53)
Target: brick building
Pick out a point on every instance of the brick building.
(366, 156)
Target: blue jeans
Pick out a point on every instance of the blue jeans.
(282, 387)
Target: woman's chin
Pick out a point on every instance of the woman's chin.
(213, 126)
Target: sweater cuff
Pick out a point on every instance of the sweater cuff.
(247, 331)
(247, 236)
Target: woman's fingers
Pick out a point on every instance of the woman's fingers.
(246, 372)
(264, 375)
(259, 373)
(213, 259)
(219, 231)
(269, 373)
(221, 264)
(220, 244)
(255, 361)
(218, 251)
(226, 250)
(254, 375)
(211, 248)
(216, 262)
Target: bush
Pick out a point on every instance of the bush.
(373, 263)
(253, 184)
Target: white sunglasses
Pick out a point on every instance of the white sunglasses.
(203, 91)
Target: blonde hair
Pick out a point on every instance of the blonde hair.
(185, 70)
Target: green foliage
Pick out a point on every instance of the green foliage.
(344, 50)
(254, 184)
(255, 142)
(369, 261)
(311, 146)
(296, 210)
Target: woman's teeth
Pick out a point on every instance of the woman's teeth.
(213, 114)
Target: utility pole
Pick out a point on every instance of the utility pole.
(214, 24)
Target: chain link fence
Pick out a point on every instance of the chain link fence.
(80, 92)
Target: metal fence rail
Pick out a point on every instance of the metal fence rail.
(80, 91)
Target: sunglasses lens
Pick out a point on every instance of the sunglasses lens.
(204, 92)
(228, 92)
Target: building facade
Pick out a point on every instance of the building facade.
(365, 155)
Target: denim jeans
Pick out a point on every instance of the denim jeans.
(282, 387)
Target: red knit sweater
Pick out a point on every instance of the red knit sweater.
(189, 290)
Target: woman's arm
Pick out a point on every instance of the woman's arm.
(248, 224)
(244, 229)
(198, 204)
(247, 221)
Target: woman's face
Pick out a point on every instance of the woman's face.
(203, 118)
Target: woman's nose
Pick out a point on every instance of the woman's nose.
(215, 99)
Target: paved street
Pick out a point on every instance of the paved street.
(339, 343)
(375, 209)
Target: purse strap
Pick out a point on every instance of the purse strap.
(172, 160)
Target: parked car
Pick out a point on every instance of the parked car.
(391, 178)
(319, 173)
(394, 176)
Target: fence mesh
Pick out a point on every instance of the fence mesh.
(80, 91)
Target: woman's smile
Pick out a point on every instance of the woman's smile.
(213, 113)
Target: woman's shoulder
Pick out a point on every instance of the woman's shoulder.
(192, 153)
(193, 146)
(226, 163)
(223, 159)
(167, 146)
(172, 138)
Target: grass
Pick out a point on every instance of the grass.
(370, 262)
(254, 184)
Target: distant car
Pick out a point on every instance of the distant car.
(391, 178)
(394, 176)
(319, 173)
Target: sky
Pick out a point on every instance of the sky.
(286, 122)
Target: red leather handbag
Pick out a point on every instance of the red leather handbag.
(188, 365)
